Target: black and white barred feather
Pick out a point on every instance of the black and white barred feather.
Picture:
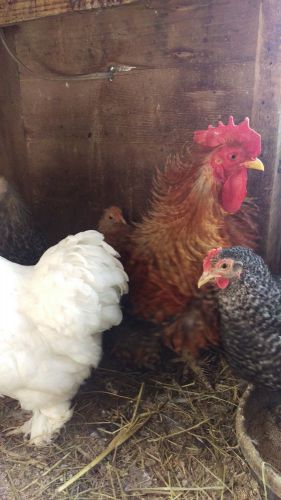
(250, 310)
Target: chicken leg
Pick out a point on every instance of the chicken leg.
(44, 423)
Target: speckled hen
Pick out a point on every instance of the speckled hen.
(250, 313)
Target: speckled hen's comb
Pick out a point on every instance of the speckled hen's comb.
(230, 133)
(207, 262)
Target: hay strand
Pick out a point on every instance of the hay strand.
(125, 433)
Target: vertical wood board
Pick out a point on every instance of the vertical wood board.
(90, 144)
(266, 118)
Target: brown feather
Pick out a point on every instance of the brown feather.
(116, 230)
(167, 248)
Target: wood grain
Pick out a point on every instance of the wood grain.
(90, 144)
(13, 153)
(15, 11)
(266, 118)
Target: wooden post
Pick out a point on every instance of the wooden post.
(266, 119)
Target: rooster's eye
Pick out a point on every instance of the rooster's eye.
(224, 265)
(233, 156)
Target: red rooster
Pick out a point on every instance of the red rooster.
(195, 206)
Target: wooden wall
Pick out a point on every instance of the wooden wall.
(77, 147)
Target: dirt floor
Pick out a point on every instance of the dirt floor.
(180, 442)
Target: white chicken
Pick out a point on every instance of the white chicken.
(52, 317)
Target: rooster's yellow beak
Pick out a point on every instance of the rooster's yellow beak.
(255, 164)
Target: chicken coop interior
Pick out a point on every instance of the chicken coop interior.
(95, 95)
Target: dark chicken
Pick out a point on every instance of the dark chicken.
(249, 300)
(195, 206)
(115, 230)
(20, 241)
(134, 343)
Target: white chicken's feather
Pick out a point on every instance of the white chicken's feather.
(52, 317)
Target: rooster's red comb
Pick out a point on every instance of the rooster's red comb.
(207, 262)
(242, 134)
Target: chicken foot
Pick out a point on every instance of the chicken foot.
(24, 429)
(44, 424)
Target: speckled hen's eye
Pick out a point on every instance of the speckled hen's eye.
(224, 265)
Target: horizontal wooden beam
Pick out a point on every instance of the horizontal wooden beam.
(15, 11)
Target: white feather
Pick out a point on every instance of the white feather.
(52, 317)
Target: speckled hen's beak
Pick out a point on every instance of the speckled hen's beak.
(205, 278)
(256, 164)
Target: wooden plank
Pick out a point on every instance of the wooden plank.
(94, 143)
(13, 156)
(266, 118)
(15, 11)
(196, 61)
(158, 37)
